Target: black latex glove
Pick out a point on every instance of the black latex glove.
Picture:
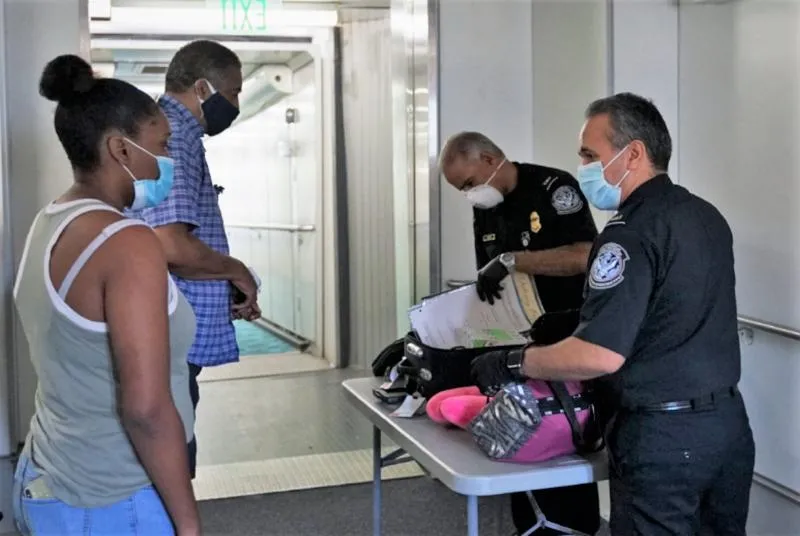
(489, 277)
(490, 372)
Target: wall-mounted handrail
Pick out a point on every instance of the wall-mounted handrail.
(273, 227)
(769, 327)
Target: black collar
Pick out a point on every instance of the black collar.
(525, 174)
(651, 187)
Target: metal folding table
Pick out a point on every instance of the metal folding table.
(451, 457)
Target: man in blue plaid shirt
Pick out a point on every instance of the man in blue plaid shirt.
(203, 83)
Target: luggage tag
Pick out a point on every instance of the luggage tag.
(395, 382)
(411, 406)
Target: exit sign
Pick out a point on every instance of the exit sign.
(244, 16)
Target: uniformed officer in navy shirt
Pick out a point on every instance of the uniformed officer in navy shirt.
(532, 219)
(658, 334)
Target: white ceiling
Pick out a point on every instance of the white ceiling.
(307, 4)
(145, 67)
(144, 55)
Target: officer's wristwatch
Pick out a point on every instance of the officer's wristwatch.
(515, 360)
(509, 260)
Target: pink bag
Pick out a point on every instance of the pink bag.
(536, 421)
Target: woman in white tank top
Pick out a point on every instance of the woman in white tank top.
(108, 331)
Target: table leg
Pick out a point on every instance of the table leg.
(472, 515)
(376, 481)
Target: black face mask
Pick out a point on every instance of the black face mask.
(219, 113)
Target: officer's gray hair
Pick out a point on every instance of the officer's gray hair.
(467, 145)
(632, 117)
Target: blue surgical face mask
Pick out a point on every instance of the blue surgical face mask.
(600, 193)
(148, 193)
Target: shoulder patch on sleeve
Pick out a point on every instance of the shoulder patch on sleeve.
(608, 267)
(566, 200)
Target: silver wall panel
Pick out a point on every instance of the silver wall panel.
(402, 153)
(485, 84)
(738, 101)
(367, 93)
(32, 159)
(37, 164)
(424, 76)
(415, 122)
(570, 69)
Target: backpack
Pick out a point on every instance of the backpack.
(388, 358)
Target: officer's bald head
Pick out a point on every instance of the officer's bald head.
(468, 159)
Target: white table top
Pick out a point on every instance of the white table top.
(454, 459)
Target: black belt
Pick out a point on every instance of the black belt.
(693, 404)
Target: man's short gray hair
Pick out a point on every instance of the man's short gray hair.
(200, 59)
(467, 145)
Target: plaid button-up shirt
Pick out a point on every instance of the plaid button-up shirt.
(193, 201)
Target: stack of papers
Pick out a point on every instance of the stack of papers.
(459, 319)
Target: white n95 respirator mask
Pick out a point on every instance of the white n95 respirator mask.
(486, 196)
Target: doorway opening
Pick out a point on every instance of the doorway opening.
(266, 169)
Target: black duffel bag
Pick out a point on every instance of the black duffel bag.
(388, 358)
(432, 370)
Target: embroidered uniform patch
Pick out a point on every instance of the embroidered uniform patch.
(616, 217)
(608, 267)
(566, 200)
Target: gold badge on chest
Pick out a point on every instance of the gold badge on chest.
(536, 222)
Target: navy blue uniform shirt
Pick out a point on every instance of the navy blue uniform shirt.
(546, 210)
(661, 293)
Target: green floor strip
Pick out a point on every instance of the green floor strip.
(255, 340)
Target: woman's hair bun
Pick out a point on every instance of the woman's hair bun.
(66, 78)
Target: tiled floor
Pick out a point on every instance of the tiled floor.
(272, 417)
(259, 366)
(282, 433)
(293, 474)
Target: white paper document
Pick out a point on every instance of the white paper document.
(410, 407)
(458, 318)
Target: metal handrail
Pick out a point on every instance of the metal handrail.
(273, 227)
(769, 327)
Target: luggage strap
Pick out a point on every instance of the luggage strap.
(565, 400)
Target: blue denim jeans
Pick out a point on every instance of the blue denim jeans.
(37, 513)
